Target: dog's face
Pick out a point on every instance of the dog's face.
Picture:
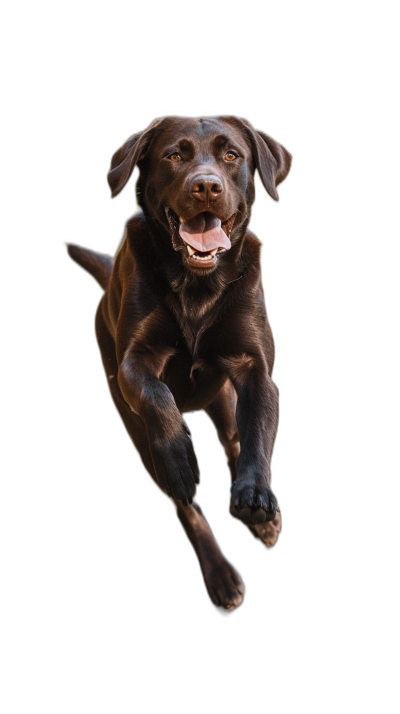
(200, 180)
(197, 179)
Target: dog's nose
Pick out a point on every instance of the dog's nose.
(206, 187)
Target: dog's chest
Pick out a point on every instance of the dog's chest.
(195, 317)
(193, 373)
(194, 383)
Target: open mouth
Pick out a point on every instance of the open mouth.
(204, 236)
(203, 259)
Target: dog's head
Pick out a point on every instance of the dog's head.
(197, 180)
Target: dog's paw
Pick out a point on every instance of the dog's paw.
(225, 587)
(176, 467)
(252, 504)
(268, 531)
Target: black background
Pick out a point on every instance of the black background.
(118, 552)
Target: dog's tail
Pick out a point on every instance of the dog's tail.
(97, 264)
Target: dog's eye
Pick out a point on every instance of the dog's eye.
(231, 156)
(175, 157)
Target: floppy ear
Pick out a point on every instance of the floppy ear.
(125, 159)
(271, 159)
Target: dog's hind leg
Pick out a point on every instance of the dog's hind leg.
(222, 411)
(223, 583)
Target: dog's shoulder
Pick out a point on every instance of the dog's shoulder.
(252, 244)
(132, 253)
(137, 225)
(252, 248)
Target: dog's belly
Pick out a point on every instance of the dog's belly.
(194, 384)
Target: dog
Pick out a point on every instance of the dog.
(182, 324)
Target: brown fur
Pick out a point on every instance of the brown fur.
(176, 338)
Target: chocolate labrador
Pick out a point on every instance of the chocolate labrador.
(182, 324)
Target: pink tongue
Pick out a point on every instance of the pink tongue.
(204, 233)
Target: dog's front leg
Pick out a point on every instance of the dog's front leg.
(169, 439)
(257, 416)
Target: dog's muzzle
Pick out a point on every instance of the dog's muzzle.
(204, 236)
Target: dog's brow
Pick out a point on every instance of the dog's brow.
(221, 139)
(231, 142)
(185, 144)
(179, 145)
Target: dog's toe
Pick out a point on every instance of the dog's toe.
(252, 504)
(268, 531)
(225, 586)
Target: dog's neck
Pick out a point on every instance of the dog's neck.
(196, 294)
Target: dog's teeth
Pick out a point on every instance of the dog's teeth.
(211, 253)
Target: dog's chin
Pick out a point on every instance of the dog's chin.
(200, 262)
